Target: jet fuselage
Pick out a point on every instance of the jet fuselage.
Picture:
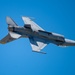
(38, 37)
(48, 36)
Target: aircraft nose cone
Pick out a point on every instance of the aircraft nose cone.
(69, 42)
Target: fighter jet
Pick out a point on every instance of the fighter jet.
(38, 37)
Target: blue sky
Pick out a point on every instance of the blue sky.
(17, 58)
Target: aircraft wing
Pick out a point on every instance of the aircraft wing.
(6, 39)
(33, 25)
(37, 44)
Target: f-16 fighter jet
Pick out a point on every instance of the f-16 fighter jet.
(38, 37)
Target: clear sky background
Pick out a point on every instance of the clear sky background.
(17, 58)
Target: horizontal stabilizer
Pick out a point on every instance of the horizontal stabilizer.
(7, 39)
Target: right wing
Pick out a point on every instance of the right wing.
(37, 44)
(7, 39)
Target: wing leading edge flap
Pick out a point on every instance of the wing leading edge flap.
(37, 44)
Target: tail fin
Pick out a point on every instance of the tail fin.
(10, 22)
(12, 25)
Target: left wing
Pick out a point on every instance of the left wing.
(33, 25)
(37, 44)
(7, 39)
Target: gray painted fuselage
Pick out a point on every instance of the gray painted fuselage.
(48, 36)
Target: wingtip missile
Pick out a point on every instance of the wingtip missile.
(39, 52)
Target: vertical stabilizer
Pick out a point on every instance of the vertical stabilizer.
(10, 22)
